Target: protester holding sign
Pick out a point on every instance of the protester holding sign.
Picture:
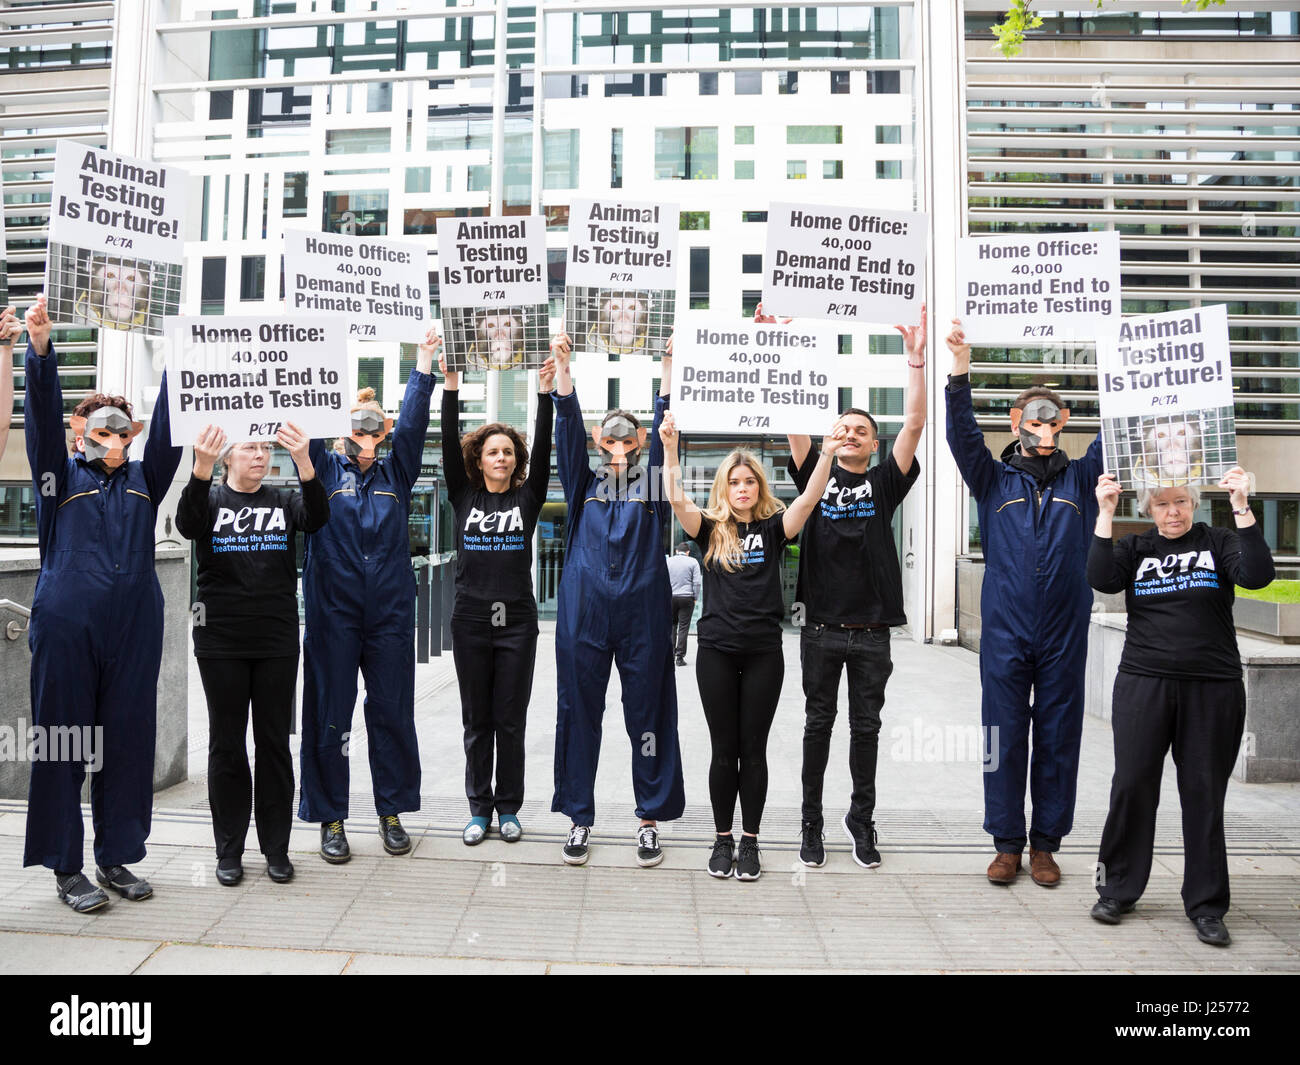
(246, 633)
(497, 489)
(1035, 511)
(1179, 683)
(852, 594)
(358, 592)
(614, 606)
(96, 629)
(10, 329)
(739, 665)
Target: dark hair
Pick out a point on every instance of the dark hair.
(683, 548)
(1036, 392)
(471, 449)
(875, 429)
(101, 399)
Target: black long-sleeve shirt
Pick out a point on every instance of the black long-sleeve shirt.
(1179, 595)
(248, 572)
(494, 530)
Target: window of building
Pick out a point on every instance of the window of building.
(699, 297)
(357, 141)
(615, 158)
(294, 203)
(845, 344)
(363, 213)
(252, 277)
(749, 82)
(744, 134)
(693, 220)
(839, 81)
(709, 83)
(686, 153)
(787, 82)
(379, 96)
(796, 169)
(749, 301)
(744, 169)
(751, 264)
(889, 134)
(212, 291)
(832, 169)
(885, 344)
(885, 402)
(845, 399)
(889, 168)
(418, 178)
(560, 159)
(753, 216)
(370, 374)
(612, 394)
(814, 134)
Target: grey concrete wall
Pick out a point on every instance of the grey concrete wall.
(19, 569)
(1270, 749)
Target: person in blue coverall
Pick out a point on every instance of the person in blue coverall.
(1036, 512)
(615, 604)
(96, 629)
(359, 597)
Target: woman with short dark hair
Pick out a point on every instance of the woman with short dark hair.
(496, 488)
(1179, 684)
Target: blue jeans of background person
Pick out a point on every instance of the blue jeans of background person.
(824, 652)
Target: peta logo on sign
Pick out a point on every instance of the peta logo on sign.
(103, 1018)
(495, 521)
(250, 519)
(842, 497)
(1174, 564)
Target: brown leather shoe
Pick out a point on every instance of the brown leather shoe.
(1043, 868)
(1004, 868)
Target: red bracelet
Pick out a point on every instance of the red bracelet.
(917, 365)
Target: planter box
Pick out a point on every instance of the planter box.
(1281, 621)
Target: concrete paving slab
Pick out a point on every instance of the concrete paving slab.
(184, 959)
(31, 953)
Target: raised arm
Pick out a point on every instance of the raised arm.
(914, 338)
(161, 457)
(797, 514)
(571, 460)
(311, 510)
(1247, 559)
(965, 440)
(413, 417)
(539, 454)
(688, 514)
(1109, 567)
(47, 444)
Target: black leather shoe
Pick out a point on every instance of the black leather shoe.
(396, 841)
(230, 871)
(1109, 911)
(279, 868)
(80, 893)
(124, 882)
(1211, 930)
(334, 843)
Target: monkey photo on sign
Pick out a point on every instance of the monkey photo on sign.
(109, 291)
(619, 322)
(496, 338)
(118, 295)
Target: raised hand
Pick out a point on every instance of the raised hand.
(546, 375)
(10, 327)
(207, 450)
(1108, 493)
(668, 433)
(1237, 484)
(296, 442)
(432, 346)
(956, 341)
(39, 326)
(768, 319)
(834, 440)
(914, 340)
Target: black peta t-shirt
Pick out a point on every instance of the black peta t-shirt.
(848, 564)
(743, 608)
(1179, 595)
(248, 568)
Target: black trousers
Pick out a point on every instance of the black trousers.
(1202, 720)
(494, 667)
(825, 652)
(683, 608)
(739, 693)
(232, 685)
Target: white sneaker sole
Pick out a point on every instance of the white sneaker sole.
(647, 863)
(754, 877)
(854, 849)
(575, 861)
(812, 865)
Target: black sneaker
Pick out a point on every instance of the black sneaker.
(724, 853)
(334, 843)
(748, 865)
(864, 843)
(576, 850)
(811, 851)
(647, 846)
(80, 893)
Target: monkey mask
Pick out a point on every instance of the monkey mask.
(1039, 425)
(106, 434)
(620, 438)
(369, 428)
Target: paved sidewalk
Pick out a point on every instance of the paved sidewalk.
(501, 907)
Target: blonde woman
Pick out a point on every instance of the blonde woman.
(739, 665)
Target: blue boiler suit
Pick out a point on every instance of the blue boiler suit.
(359, 599)
(96, 630)
(1034, 611)
(615, 604)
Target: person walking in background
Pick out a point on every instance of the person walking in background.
(684, 577)
(739, 665)
(96, 631)
(496, 488)
(246, 633)
(358, 593)
(1179, 684)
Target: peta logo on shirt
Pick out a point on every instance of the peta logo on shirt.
(1172, 565)
(250, 519)
(1175, 573)
(495, 521)
(843, 497)
(752, 542)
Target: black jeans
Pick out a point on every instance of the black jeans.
(231, 686)
(824, 651)
(494, 667)
(1202, 720)
(683, 608)
(739, 694)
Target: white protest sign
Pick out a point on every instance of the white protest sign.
(249, 375)
(1165, 387)
(1026, 288)
(732, 375)
(622, 245)
(381, 286)
(844, 263)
